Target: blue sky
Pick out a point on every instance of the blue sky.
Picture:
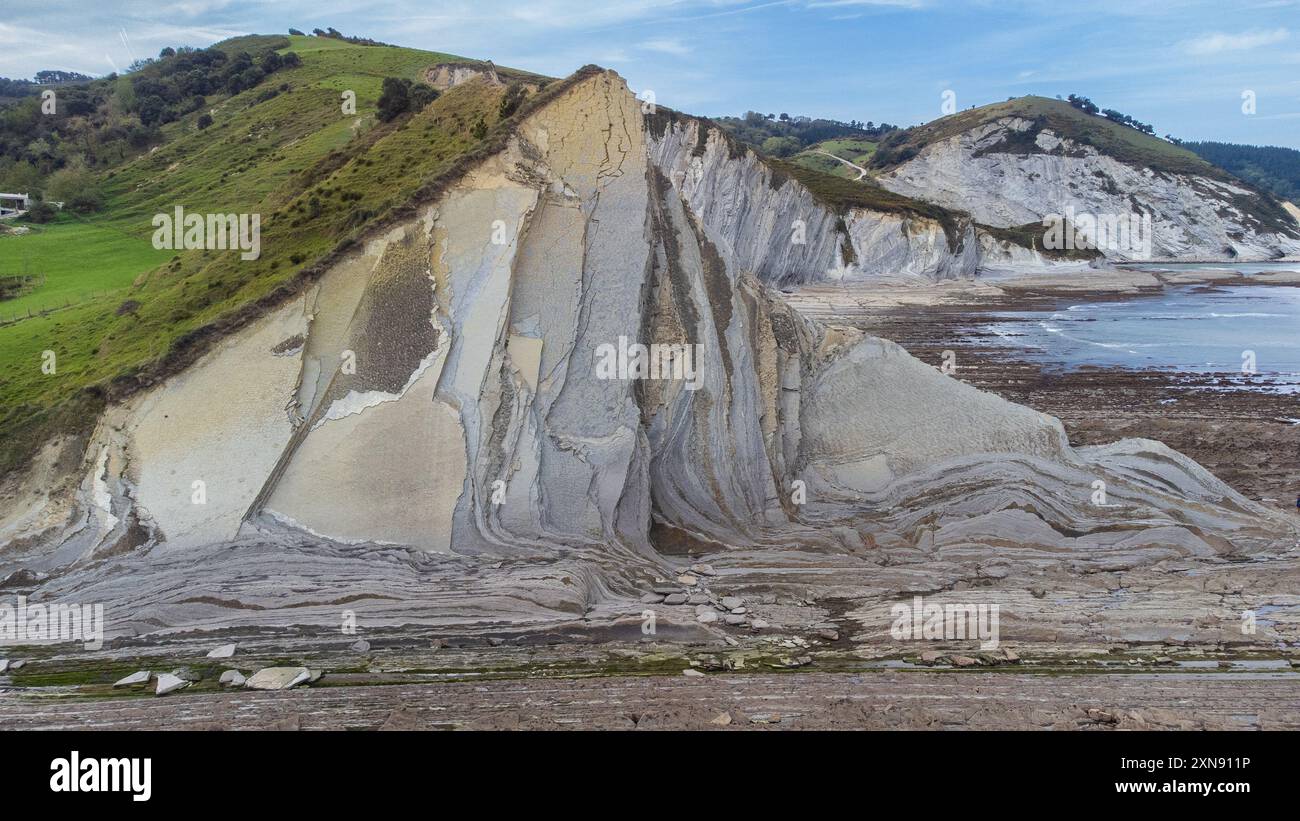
(1181, 65)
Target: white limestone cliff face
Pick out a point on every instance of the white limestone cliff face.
(435, 399)
(1000, 258)
(447, 75)
(886, 244)
(989, 173)
(749, 211)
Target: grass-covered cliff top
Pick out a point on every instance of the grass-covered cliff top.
(837, 193)
(123, 314)
(1125, 144)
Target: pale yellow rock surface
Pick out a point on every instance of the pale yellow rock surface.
(222, 423)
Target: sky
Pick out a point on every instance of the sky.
(1181, 65)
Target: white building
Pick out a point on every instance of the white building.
(11, 205)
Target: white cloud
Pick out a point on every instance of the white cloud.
(909, 4)
(1219, 42)
(665, 46)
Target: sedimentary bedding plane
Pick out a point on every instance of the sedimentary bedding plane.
(423, 435)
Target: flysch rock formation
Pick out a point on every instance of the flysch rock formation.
(1293, 210)
(446, 75)
(426, 435)
(1012, 172)
(748, 211)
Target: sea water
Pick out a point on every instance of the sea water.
(1199, 329)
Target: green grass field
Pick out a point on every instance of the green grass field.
(858, 152)
(77, 259)
(316, 176)
(1123, 143)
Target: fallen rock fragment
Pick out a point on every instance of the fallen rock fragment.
(169, 683)
(232, 678)
(278, 678)
(722, 720)
(225, 651)
(141, 677)
(361, 646)
(691, 672)
(964, 661)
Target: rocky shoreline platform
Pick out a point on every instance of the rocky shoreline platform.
(476, 506)
(750, 680)
(1248, 438)
(777, 637)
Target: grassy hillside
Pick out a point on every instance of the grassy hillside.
(857, 151)
(316, 176)
(840, 195)
(1272, 168)
(77, 259)
(1124, 144)
(783, 137)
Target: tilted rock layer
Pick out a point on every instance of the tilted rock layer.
(1011, 172)
(753, 215)
(441, 389)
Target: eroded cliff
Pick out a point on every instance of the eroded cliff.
(1016, 171)
(430, 425)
